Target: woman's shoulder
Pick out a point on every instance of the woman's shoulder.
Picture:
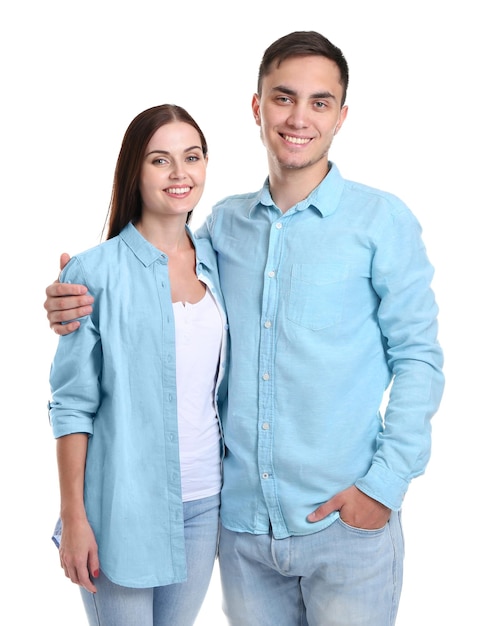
(91, 262)
(205, 252)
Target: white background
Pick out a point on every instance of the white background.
(73, 76)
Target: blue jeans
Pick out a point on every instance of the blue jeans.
(176, 604)
(340, 576)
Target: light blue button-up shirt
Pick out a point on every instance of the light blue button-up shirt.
(328, 304)
(115, 380)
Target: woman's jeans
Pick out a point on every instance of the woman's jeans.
(339, 576)
(176, 604)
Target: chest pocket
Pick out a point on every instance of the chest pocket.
(317, 294)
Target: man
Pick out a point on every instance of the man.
(327, 288)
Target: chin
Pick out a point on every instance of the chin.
(293, 164)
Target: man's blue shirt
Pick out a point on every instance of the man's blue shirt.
(328, 304)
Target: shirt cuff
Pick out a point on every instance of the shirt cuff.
(383, 485)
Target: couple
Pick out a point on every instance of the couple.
(327, 301)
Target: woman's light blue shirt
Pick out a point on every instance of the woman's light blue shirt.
(115, 380)
(328, 304)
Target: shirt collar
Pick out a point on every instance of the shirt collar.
(141, 248)
(324, 198)
(147, 253)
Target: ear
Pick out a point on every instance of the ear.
(255, 109)
(342, 116)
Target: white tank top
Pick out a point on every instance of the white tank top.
(198, 343)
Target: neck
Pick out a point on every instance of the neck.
(168, 235)
(288, 187)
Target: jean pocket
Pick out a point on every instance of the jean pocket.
(362, 531)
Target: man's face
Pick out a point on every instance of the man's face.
(299, 112)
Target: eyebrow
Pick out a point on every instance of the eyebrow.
(291, 92)
(190, 149)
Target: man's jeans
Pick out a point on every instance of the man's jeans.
(176, 604)
(340, 576)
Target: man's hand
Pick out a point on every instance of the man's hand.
(355, 508)
(66, 302)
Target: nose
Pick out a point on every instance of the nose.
(177, 170)
(298, 116)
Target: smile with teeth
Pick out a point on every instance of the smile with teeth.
(297, 140)
(178, 191)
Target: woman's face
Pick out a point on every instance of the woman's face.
(173, 172)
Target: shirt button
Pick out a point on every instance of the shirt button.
(267, 324)
(271, 274)
(265, 475)
(279, 225)
(265, 426)
(266, 376)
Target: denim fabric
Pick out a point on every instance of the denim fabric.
(115, 379)
(176, 604)
(329, 305)
(340, 576)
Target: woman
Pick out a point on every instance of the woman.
(135, 391)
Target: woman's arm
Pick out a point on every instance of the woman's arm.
(78, 547)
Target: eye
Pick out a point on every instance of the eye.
(160, 161)
(193, 158)
(283, 100)
(320, 104)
